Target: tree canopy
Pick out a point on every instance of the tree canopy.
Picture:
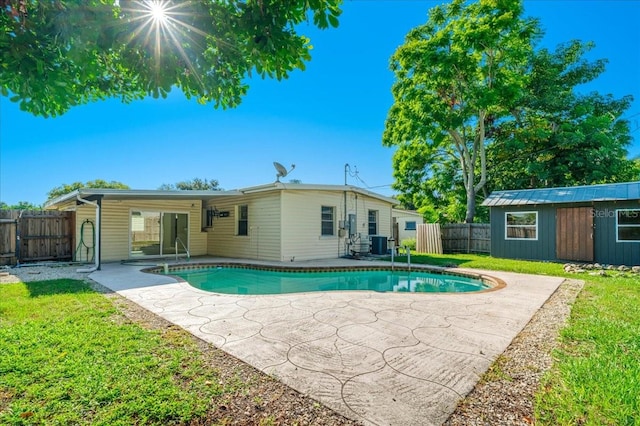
(195, 184)
(58, 54)
(478, 108)
(98, 184)
(22, 205)
(455, 75)
(559, 137)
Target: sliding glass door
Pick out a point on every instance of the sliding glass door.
(158, 233)
(175, 231)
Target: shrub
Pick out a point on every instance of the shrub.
(408, 242)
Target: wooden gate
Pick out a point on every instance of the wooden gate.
(574, 234)
(428, 238)
(32, 236)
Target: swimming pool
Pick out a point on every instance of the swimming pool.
(252, 280)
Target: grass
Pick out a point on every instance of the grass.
(595, 379)
(596, 376)
(69, 357)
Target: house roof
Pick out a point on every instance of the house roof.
(403, 212)
(93, 194)
(571, 194)
(280, 186)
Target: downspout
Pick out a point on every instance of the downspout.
(97, 242)
(346, 225)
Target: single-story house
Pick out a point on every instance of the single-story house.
(277, 222)
(594, 223)
(405, 224)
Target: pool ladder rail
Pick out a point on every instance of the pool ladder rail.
(184, 247)
(393, 251)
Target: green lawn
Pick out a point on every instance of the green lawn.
(67, 356)
(595, 379)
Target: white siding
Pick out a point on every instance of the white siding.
(85, 233)
(402, 217)
(301, 234)
(301, 225)
(263, 241)
(283, 224)
(116, 217)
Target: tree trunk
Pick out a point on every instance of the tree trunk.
(471, 205)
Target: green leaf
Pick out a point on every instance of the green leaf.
(99, 50)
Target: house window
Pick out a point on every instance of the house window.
(243, 219)
(373, 222)
(327, 220)
(521, 225)
(628, 224)
(410, 225)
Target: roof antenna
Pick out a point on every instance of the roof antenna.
(282, 171)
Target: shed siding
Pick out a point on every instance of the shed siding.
(606, 249)
(541, 249)
(115, 225)
(263, 241)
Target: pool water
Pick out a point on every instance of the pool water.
(255, 281)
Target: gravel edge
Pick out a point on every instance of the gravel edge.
(505, 393)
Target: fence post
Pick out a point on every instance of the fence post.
(476, 240)
(37, 235)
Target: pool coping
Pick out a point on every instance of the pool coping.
(495, 283)
(379, 358)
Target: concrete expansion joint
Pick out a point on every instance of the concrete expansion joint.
(375, 357)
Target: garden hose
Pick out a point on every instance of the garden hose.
(82, 243)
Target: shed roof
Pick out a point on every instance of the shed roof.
(571, 194)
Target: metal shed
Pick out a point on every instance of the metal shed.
(594, 223)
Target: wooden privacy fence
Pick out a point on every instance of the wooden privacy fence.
(453, 238)
(35, 235)
(429, 238)
(466, 238)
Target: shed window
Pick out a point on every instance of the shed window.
(628, 224)
(243, 219)
(373, 222)
(327, 220)
(410, 225)
(521, 225)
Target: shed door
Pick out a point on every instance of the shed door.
(574, 234)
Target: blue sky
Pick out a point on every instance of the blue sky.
(320, 119)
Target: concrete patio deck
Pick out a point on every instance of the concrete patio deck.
(380, 358)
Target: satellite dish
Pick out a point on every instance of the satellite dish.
(282, 171)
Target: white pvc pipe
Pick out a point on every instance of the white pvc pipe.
(96, 256)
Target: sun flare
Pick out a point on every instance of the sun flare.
(164, 27)
(158, 11)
